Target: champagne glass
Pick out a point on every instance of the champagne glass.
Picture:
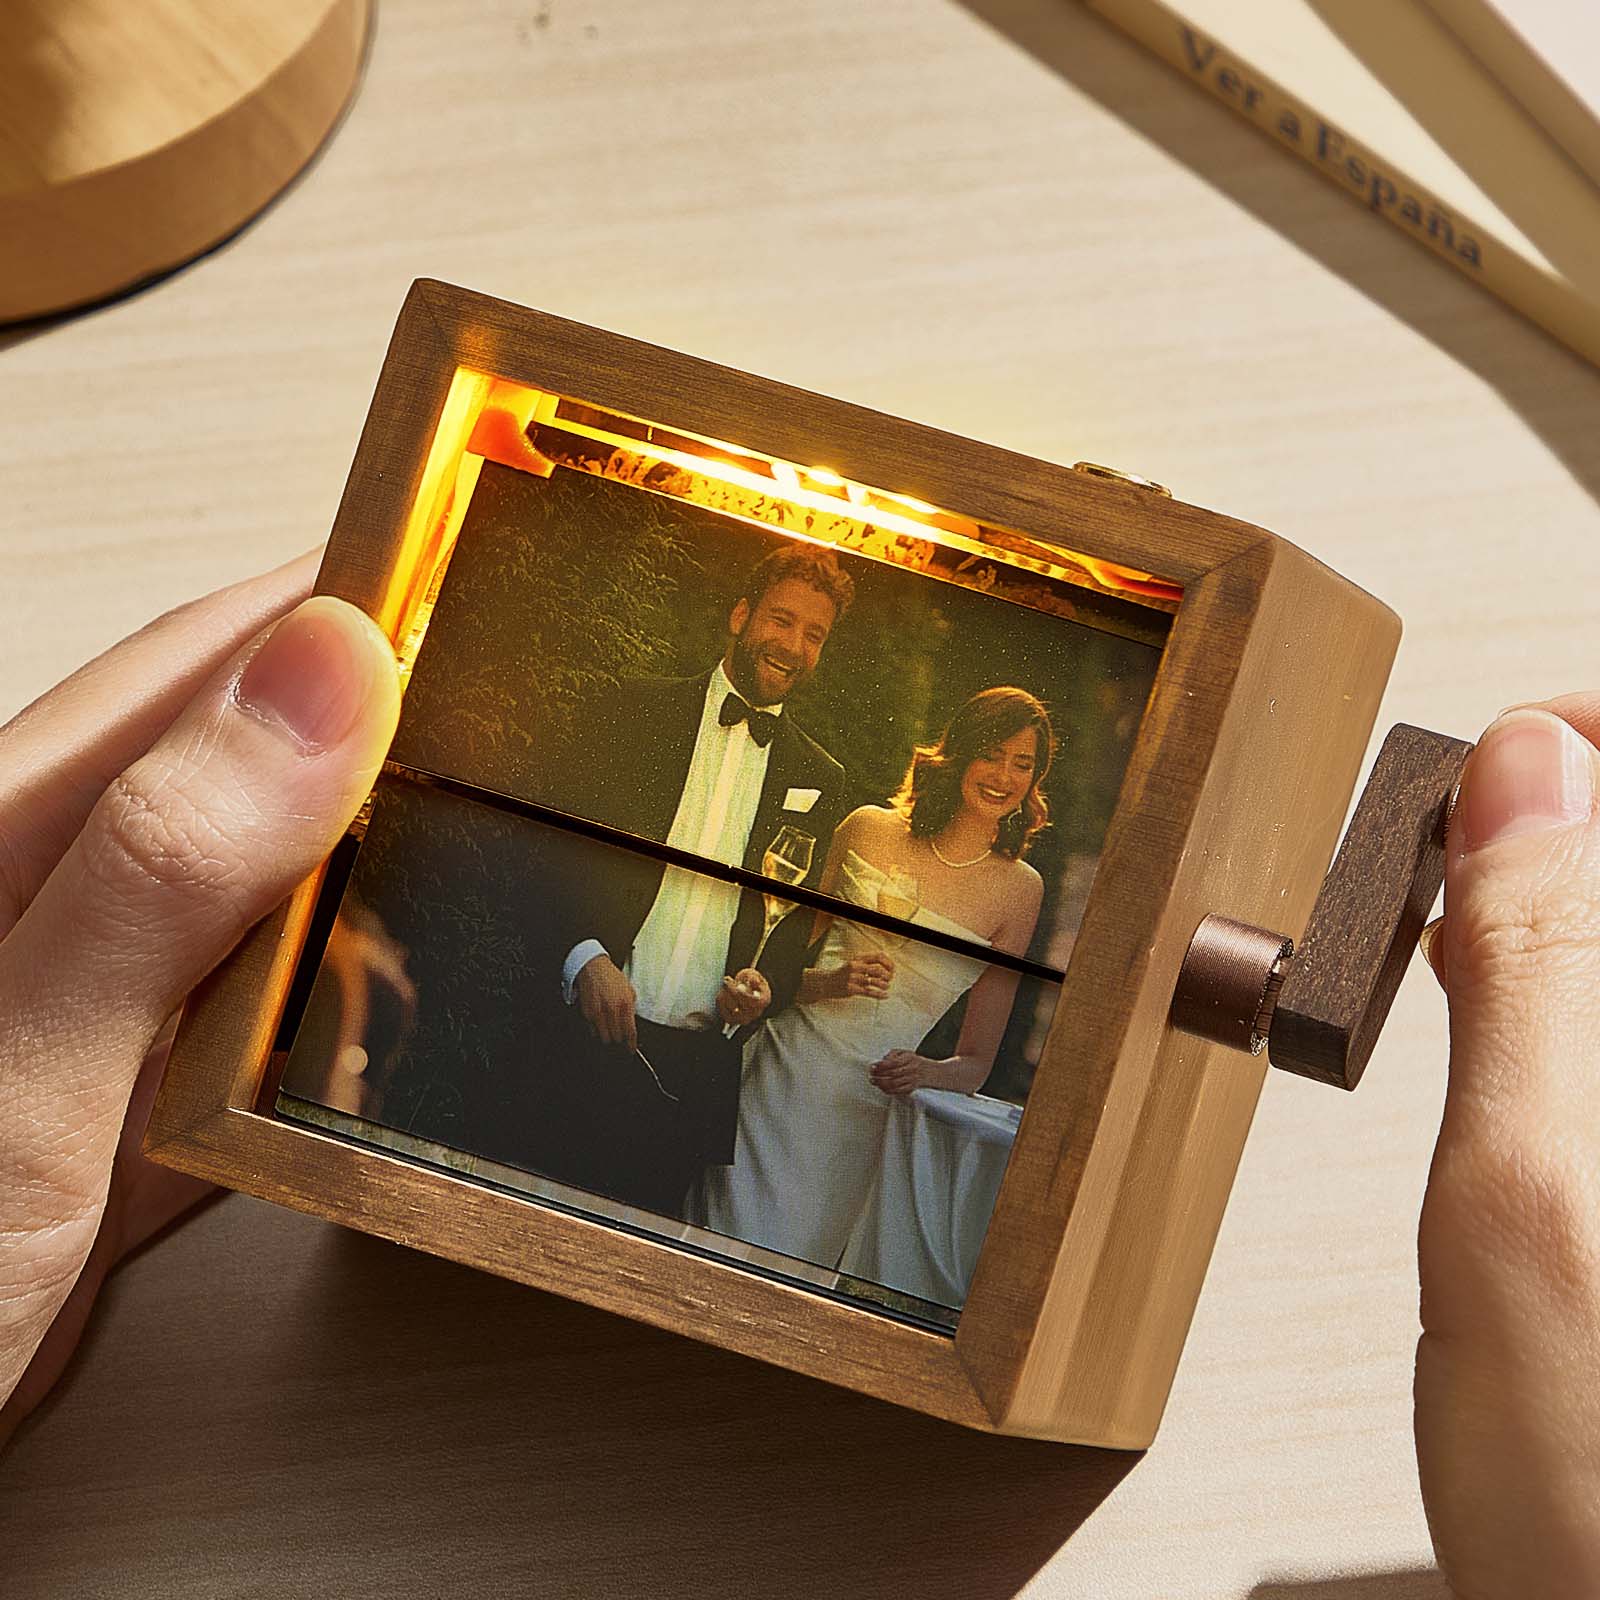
(898, 896)
(788, 859)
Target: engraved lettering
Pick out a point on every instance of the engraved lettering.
(1385, 193)
(1199, 58)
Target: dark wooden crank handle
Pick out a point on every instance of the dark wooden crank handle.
(1318, 1010)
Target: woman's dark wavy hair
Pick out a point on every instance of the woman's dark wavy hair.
(931, 793)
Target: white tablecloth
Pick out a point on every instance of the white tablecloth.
(944, 1155)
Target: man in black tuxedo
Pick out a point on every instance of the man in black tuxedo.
(659, 964)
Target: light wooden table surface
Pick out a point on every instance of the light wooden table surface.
(1000, 219)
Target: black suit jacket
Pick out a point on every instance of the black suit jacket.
(641, 742)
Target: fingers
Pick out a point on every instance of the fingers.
(754, 991)
(617, 1025)
(1582, 710)
(601, 1015)
(895, 1073)
(893, 1080)
(731, 1002)
(1521, 938)
(1508, 1369)
(743, 997)
(233, 805)
(58, 755)
(144, 1199)
(609, 1002)
(871, 975)
(608, 1031)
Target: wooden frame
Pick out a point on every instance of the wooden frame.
(1232, 802)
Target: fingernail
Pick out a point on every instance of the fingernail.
(1431, 941)
(1530, 771)
(312, 677)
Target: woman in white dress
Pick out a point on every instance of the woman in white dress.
(946, 853)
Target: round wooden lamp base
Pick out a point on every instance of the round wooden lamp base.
(135, 137)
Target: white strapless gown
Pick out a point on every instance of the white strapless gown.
(811, 1124)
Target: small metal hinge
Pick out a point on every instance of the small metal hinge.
(1095, 470)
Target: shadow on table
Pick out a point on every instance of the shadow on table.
(1418, 1584)
(1539, 378)
(654, 1461)
(484, 1427)
(1394, 42)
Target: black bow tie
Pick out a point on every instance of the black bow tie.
(763, 724)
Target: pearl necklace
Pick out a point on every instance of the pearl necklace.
(987, 850)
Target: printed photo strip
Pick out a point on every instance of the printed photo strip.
(720, 882)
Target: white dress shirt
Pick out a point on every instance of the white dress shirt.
(678, 959)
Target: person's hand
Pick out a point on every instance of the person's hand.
(901, 1071)
(866, 976)
(744, 997)
(1508, 1366)
(152, 807)
(607, 1001)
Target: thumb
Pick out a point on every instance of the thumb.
(1522, 925)
(247, 791)
(1507, 1402)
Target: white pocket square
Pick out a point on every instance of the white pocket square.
(801, 799)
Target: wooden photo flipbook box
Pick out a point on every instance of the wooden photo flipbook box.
(832, 883)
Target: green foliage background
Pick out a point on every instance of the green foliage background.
(561, 588)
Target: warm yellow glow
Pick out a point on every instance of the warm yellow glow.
(911, 502)
(856, 519)
(435, 559)
(451, 474)
(485, 418)
(776, 509)
(441, 499)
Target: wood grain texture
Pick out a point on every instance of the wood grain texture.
(1017, 1363)
(133, 138)
(1071, 257)
(1363, 931)
(1241, 797)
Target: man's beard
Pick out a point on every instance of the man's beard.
(745, 671)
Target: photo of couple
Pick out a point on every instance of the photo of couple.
(620, 998)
